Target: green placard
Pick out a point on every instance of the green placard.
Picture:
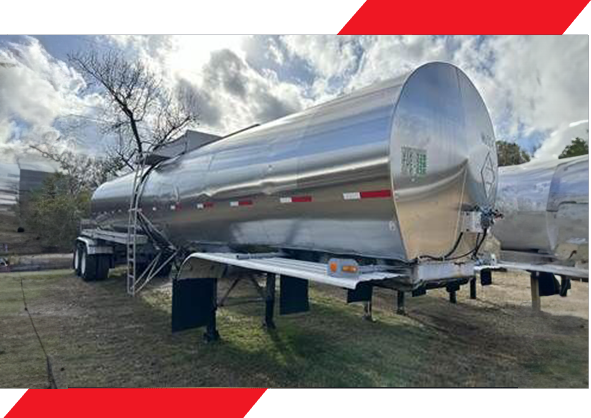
(414, 162)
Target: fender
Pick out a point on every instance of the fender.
(93, 247)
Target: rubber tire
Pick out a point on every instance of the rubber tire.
(76, 258)
(88, 266)
(103, 263)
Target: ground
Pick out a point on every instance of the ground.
(97, 336)
(13, 242)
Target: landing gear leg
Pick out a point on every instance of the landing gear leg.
(536, 302)
(400, 308)
(473, 288)
(368, 311)
(452, 296)
(270, 301)
(211, 332)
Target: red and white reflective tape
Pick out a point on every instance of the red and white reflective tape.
(370, 194)
(296, 199)
(204, 205)
(241, 203)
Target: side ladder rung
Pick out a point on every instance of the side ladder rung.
(132, 228)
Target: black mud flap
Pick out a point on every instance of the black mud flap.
(293, 295)
(548, 284)
(564, 286)
(361, 293)
(419, 291)
(486, 277)
(193, 303)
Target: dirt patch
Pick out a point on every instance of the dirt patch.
(38, 262)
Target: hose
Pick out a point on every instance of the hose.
(472, 252)
(450, 252)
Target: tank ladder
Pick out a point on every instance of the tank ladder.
(132, 227)
(138, 224)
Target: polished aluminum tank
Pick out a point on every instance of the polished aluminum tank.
(545, 207)
(382, 172)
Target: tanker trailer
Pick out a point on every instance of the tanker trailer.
(545, 227)
(391, 185)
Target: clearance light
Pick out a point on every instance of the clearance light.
(343, 267)
(349, 269)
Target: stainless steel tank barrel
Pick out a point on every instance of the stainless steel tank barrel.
(382, 172)
(546, 208)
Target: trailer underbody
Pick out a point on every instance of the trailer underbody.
(196, 300)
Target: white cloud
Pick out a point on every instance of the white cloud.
(541, 80)
(174, 56)
(232, 94)
(561, 137)
(243, 95)
(328, 55)
(36, 90)
(535, 87)
(390, 56)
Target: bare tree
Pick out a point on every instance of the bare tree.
(144, 113)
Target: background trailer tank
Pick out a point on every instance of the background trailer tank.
(546, 213)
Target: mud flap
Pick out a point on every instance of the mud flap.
(419, 291)
(361, 293)
(486, 277)
(564, 286)
(193, 303)
(293, 295)
(548, 284)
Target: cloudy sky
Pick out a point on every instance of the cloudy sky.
(536, 88)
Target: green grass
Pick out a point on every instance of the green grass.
(99, 336)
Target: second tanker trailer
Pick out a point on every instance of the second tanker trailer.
(546, 215)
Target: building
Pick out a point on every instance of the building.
(19, 175)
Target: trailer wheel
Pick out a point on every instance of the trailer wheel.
(76, 258)
(103, 263)
(88, 266)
